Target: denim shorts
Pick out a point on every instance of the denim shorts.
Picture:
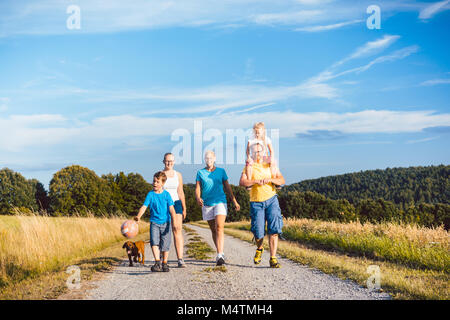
(178, 207)
(160, 235)
(269, 211)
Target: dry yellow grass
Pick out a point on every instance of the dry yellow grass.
(410, 245)
(32, 245)
(399, 277)
(419, 235)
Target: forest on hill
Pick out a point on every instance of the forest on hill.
(413, 195)
(402, 186)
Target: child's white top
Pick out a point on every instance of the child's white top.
(171, 186)
(251, 142)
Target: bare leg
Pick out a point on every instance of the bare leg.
(220, 222)
(178, 235)
(165, 255)
(155, 251)
(273, 244)
(212, 226)
(259, 243)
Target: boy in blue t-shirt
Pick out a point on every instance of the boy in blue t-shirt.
(161, 208)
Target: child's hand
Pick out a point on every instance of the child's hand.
(137, 219)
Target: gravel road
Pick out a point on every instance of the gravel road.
(243, 280)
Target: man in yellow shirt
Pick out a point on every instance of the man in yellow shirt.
(264, 205)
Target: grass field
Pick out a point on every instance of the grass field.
(31, 246)
(414, 261)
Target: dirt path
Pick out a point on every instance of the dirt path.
(242, 280)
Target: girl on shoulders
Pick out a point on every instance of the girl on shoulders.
(260, 137)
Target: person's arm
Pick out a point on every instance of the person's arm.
(181, 194)
(198, 192)
(248, 149)
(269, 146)
(173, 214)
(278, 180)
(140, 213)
(245, 182)
(231, 194)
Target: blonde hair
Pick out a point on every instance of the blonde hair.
(210, 152)
(260, 125)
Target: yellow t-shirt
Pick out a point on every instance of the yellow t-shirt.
(261, 193)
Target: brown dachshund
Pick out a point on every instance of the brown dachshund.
(134, 249)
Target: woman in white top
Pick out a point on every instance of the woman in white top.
(174, 185)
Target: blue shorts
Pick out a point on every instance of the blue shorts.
(178, 207)
(160, 235)
(269, 211)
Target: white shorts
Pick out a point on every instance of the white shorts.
(210, 213)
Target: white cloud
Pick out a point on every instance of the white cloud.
(422, 140)
(429, 11)
(214, 98)
(98, 16)
(327, 27)
(396, 55)
(49, 17)
(234, 98)
(373, 46)
(4, 101)
(254, 108)
(313, 2)
(287, 18)
(218, 98)
(370, 48)
(435, 82)
(21, 132)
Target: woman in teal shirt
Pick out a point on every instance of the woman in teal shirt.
(210, 195)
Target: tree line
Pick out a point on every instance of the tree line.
(73, 190)
(76, 190)
(405, 187)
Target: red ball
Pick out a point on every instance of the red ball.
(129, 229)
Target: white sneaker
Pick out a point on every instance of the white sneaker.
(181, 263)
(220, 259)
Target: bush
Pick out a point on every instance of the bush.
(315, 206)
(76, 189)
(16, 191)
(128, 192)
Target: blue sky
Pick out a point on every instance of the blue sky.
(110, 95)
